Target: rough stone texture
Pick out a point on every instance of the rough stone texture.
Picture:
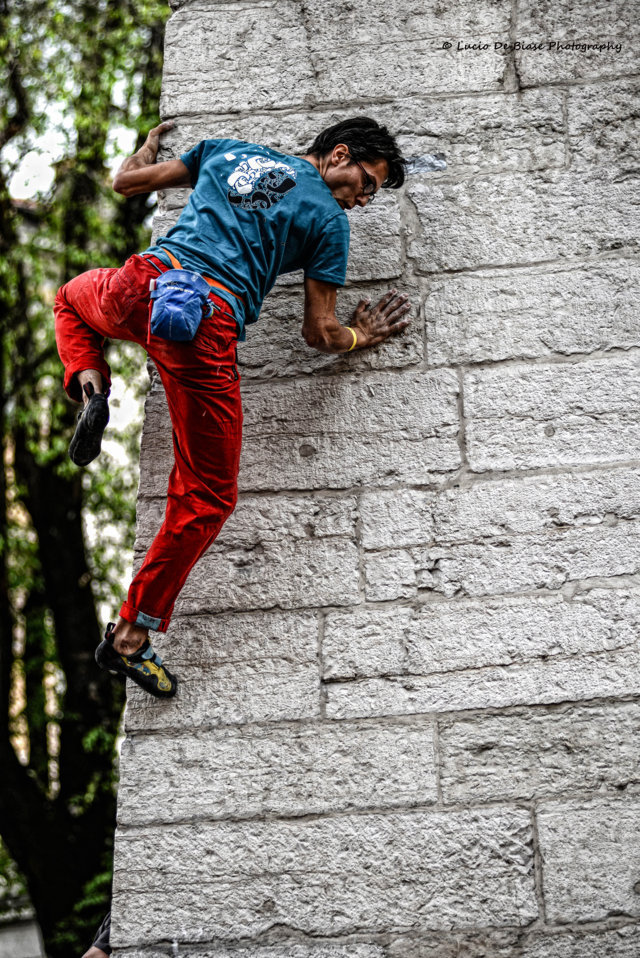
(529, 313)
(504, 565)
(292, 949)
(603, 124)
(255, 772)
(235, 669)
(486, 133)
(621, 942)
(541, 681)
(251, 56)
(590, 859)
(536, 753)
(577, 21)
(499, 507)
(441, 637)
(525, 416)
(410, 694)
(275, 347)
(522, 218)
(333, 874)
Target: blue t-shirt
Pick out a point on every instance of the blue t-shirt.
(255, 213)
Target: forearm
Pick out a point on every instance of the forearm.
(332, 337)
(142, 157)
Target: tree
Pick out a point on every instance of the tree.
(96, 63)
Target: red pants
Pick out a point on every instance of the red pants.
(202, 387)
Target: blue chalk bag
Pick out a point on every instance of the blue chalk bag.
(180, 299)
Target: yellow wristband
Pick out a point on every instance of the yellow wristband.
(355, 338)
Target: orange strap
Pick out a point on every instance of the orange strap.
(212, 282)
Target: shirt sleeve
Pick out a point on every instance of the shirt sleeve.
(194, 158)
(328, 261)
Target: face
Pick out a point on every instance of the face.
(347, 180)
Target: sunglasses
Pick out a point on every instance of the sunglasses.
(369, 188)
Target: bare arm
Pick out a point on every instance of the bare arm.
(371, 324)
(141, 174)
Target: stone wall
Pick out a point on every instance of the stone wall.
(409, 720)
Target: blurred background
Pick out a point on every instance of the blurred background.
(80, 88)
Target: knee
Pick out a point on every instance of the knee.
(216, 502)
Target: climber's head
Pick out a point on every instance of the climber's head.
(356, 158)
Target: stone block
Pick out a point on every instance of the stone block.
(234, 669)
(524, 416)
(307, 948)
(398, 517)
(397, 36)
(257, 53)
(603, 124)
(393, 21)
(487, 943)
(576, 21)
(621, 942)
(503, 566)
(589, 856)
(331, 415)
(486, 133)
(274, 347)
(265, 519)
(540, 753)
(227, 695)
(329, 432)
(532, 313)
(289, 949)
(364, 643)
(308, 768)
(341, 462)
(506, 507)
(541, 681)
(521, 219)
(483, 508)
(449, 637)
(375, 250)
(290, 574)
(331, 875)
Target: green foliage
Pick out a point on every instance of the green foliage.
(80, 77)
(74, 933)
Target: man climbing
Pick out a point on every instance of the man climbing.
(254, 213)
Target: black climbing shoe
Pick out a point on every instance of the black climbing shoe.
(92, 422)
(143, 667)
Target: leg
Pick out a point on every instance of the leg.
(79, 339)
(98, 304)
(90, 377)
(203, 395)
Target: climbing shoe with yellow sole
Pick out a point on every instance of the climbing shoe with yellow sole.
(143, 667)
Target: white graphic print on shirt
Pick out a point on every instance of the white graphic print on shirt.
(258, 183)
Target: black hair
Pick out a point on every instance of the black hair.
(367, 140)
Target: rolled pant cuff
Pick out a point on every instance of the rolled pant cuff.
(136, 617)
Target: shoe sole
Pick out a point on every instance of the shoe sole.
(87, 439)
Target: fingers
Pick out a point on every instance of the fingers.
(398, 312)
(386, 318)
(161, 128)
(386, 299)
